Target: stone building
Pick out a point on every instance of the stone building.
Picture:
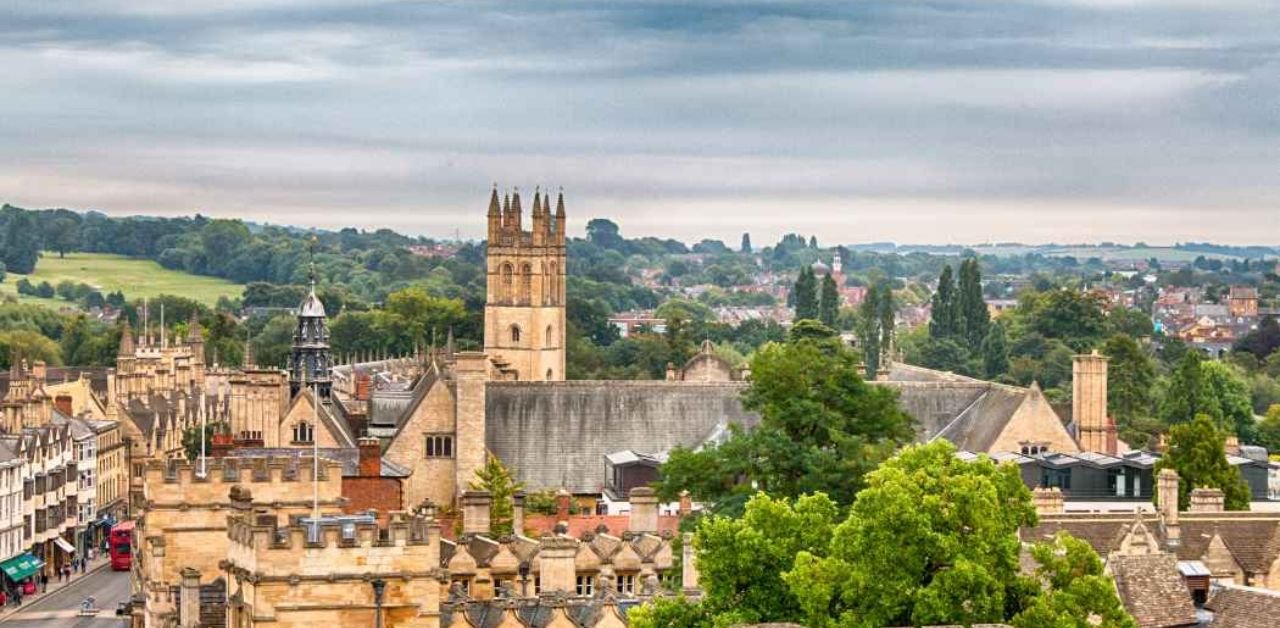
(525, 308)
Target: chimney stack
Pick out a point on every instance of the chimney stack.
(563, 499)
(1167, 492)
(370, 449)
(1207, 500)
(644, 510)
(63, 404)
(1089, 402)
(517, 512)
(1048, 501)
(475, 512)
(686, 504)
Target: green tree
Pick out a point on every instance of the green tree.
(191, 439)
(746, 243)
(821, 429)
(63, 234)
(806, 295)
(1186, 395)
(942, 316)
(1196, 450)
(741, 562)
(995, 352)
(829, 305)
(1198, 386)
(932, 539)
(1077, 593)
(874, 325)
(972, 317)
(1131, 378)
(1269, 429)
(494, 478)
(21, 241)
(667, 612)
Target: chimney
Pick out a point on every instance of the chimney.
(671, 372)
(556, 569)
(517, 512)
(563, 499)
(221, 446)
(63, 404)
(686, 504)
(1232, 445)
(644, 510)
(370, 457)
(189, 609)
(1089, 401)
(475, 512)
(362, 387)
(1167, 492)
(1048, 501)
(1207, 500)
(39, 372)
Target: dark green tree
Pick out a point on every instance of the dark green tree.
(829, 305)
(806, 295)
(191, 439)
(746, 243)
(1186, 396)
(972, 318)
(20, 243)
(62, 235)
(995, 352)
(942, 317)
(1196, 450)
(1131, 378)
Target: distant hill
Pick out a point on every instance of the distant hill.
(135, 278)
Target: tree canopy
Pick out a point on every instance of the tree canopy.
(1196, 450)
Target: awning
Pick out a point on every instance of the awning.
(66, 547)
(21, 567)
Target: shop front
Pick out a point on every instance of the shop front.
(20, 575)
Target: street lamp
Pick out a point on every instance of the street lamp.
(379, 587)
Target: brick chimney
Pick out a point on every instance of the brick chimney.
(563, 500)
(1207, 500)
(475, 512)
(1089, 402)
(63, 404)
(1167, 493)
(644, 510)
(221, 445)
(363, 382)
(370, 456)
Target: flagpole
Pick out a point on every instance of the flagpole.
(204, 417)
(315, 457)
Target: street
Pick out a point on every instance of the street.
(61, 608)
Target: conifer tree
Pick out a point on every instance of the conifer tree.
(995, 353)
(942, 323)
(806, 295)
(501, 486)
(746, 242)
(972, 318)
(829, 307)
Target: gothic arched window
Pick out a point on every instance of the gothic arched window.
(526, 284)
(506, 288)
(549, 339)
(303, 432)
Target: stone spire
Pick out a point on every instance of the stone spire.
(309, 360)
(560, 217)
(516, 213)
(126, 340)
(495, 215)
(193, 328)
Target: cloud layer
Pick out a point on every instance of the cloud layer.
(939, 120)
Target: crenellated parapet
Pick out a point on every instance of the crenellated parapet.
(285, 481)
(340, 532)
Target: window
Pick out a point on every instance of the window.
(549, 339)
(439, 446)
(585, 585)
(304, 433)
(463, 583)
(550, 375)
(506, 287)
(515, 333)
(626, 584)
(526, 284)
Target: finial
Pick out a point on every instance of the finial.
(311, 263)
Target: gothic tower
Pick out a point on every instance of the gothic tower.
(309, 360)
(524, 314)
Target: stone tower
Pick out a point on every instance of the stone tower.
(309, 360)
(524, 314)
(1094, 430)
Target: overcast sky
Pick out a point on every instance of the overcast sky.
(914, 121)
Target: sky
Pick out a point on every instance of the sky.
(940, 121)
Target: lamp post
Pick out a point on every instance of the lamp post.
(379, 587)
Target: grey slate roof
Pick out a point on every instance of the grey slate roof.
(1152, 590)
(556, 434)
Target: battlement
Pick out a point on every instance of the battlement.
(260, 533)
(266, 480)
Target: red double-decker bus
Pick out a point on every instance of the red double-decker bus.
(120, 546)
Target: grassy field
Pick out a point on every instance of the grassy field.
(136, 278)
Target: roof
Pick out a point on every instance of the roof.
(311, 306)
(348, 457)
(1152, 590)
(97, 376)
(1243, 607)
(557, 434)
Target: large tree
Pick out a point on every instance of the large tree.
(829, 305)
(495, 479)
(1198, 386)
(746, 243)
(934, 540)
(995, 352)
(20, 242)
(63, 234)
(1131, 378)
(821, 427)
(1196, 450)
(942, 317)
(806, 295)
(875, 325)
(972, 318)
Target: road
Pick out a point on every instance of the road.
(60, 609)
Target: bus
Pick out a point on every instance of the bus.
(121, 546)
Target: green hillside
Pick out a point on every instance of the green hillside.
(136, 278)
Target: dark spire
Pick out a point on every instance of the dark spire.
(560, 205)
(495, 208)
(126, 340)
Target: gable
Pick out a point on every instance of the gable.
(1033, 421)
